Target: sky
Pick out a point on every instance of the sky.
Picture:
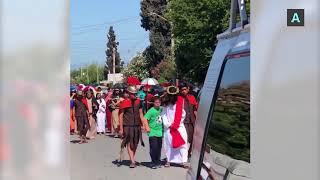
(89, 25)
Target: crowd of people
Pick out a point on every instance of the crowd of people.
(167, 117)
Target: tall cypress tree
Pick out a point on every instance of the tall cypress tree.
(112, 43)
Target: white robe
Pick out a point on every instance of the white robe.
(174, 155)
(101, 116)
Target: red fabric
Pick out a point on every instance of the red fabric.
(165, 84)
(148, 99)
(84, 101)
(192, 100)
(127, 103)
(133, 81)
(177, 139)
(108, 114)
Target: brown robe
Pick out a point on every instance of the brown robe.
(131, 124)
(81, 117)
(190, 119)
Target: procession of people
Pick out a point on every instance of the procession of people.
(166, 112)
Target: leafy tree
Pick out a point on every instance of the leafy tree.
(166, 70)
(195, 26)
(112, 44)
(152, 14)
(91, 74)
(137, 67)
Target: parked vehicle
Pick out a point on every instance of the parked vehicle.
(221, 149)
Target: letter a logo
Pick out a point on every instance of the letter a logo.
(295, 17)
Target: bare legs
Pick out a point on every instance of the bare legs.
(132, 154)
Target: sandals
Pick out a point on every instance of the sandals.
(133, 165)
(167, 164)
(185, 165)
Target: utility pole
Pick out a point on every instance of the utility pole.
(114, 64)
(87, 74)
(97, 73)
(81, 72)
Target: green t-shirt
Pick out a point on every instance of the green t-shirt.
(155, 122)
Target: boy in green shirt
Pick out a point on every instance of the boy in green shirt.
(153, 117)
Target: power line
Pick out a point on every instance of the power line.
(98, 28)
(111, 22)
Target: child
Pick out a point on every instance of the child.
(155, 132)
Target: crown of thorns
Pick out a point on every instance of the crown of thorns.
(172, 90)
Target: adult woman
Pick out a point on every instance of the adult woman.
(91, 105)
(101, 115)
(108, 100)
(73, 128)
(175, 135)
(115, 111)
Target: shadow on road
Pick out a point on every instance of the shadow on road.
(75, 141)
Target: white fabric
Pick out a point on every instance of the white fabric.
(149, 81)
(174, 155)
(101, 116)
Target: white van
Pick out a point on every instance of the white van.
(221, 148)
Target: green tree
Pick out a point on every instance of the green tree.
(112, 44)
(137, 67)
(195, 26)
(91, 74)
(159, 28)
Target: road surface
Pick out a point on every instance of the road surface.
(96, 161)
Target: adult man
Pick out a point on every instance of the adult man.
(131, 120)
(81, 116)
(190, 106)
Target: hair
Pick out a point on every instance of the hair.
(169, 99)
(155, 98)
(98, 94)
(183, 84)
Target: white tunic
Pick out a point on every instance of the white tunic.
(101, 116)
(174, 155)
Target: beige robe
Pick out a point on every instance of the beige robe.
(92, 132)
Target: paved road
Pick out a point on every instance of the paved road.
(95, 161)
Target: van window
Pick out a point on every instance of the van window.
(229, 128)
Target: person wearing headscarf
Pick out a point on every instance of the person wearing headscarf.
(73, 123)
(190, 106)
(175, 134)
(101, 115)
(108, 100)
(81, 116)
(131, 121)
(92, 106)
(115, 103)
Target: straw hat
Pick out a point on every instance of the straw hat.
(132, 89)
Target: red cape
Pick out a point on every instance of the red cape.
(192, 100)
(177, 139)
(127, 103)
